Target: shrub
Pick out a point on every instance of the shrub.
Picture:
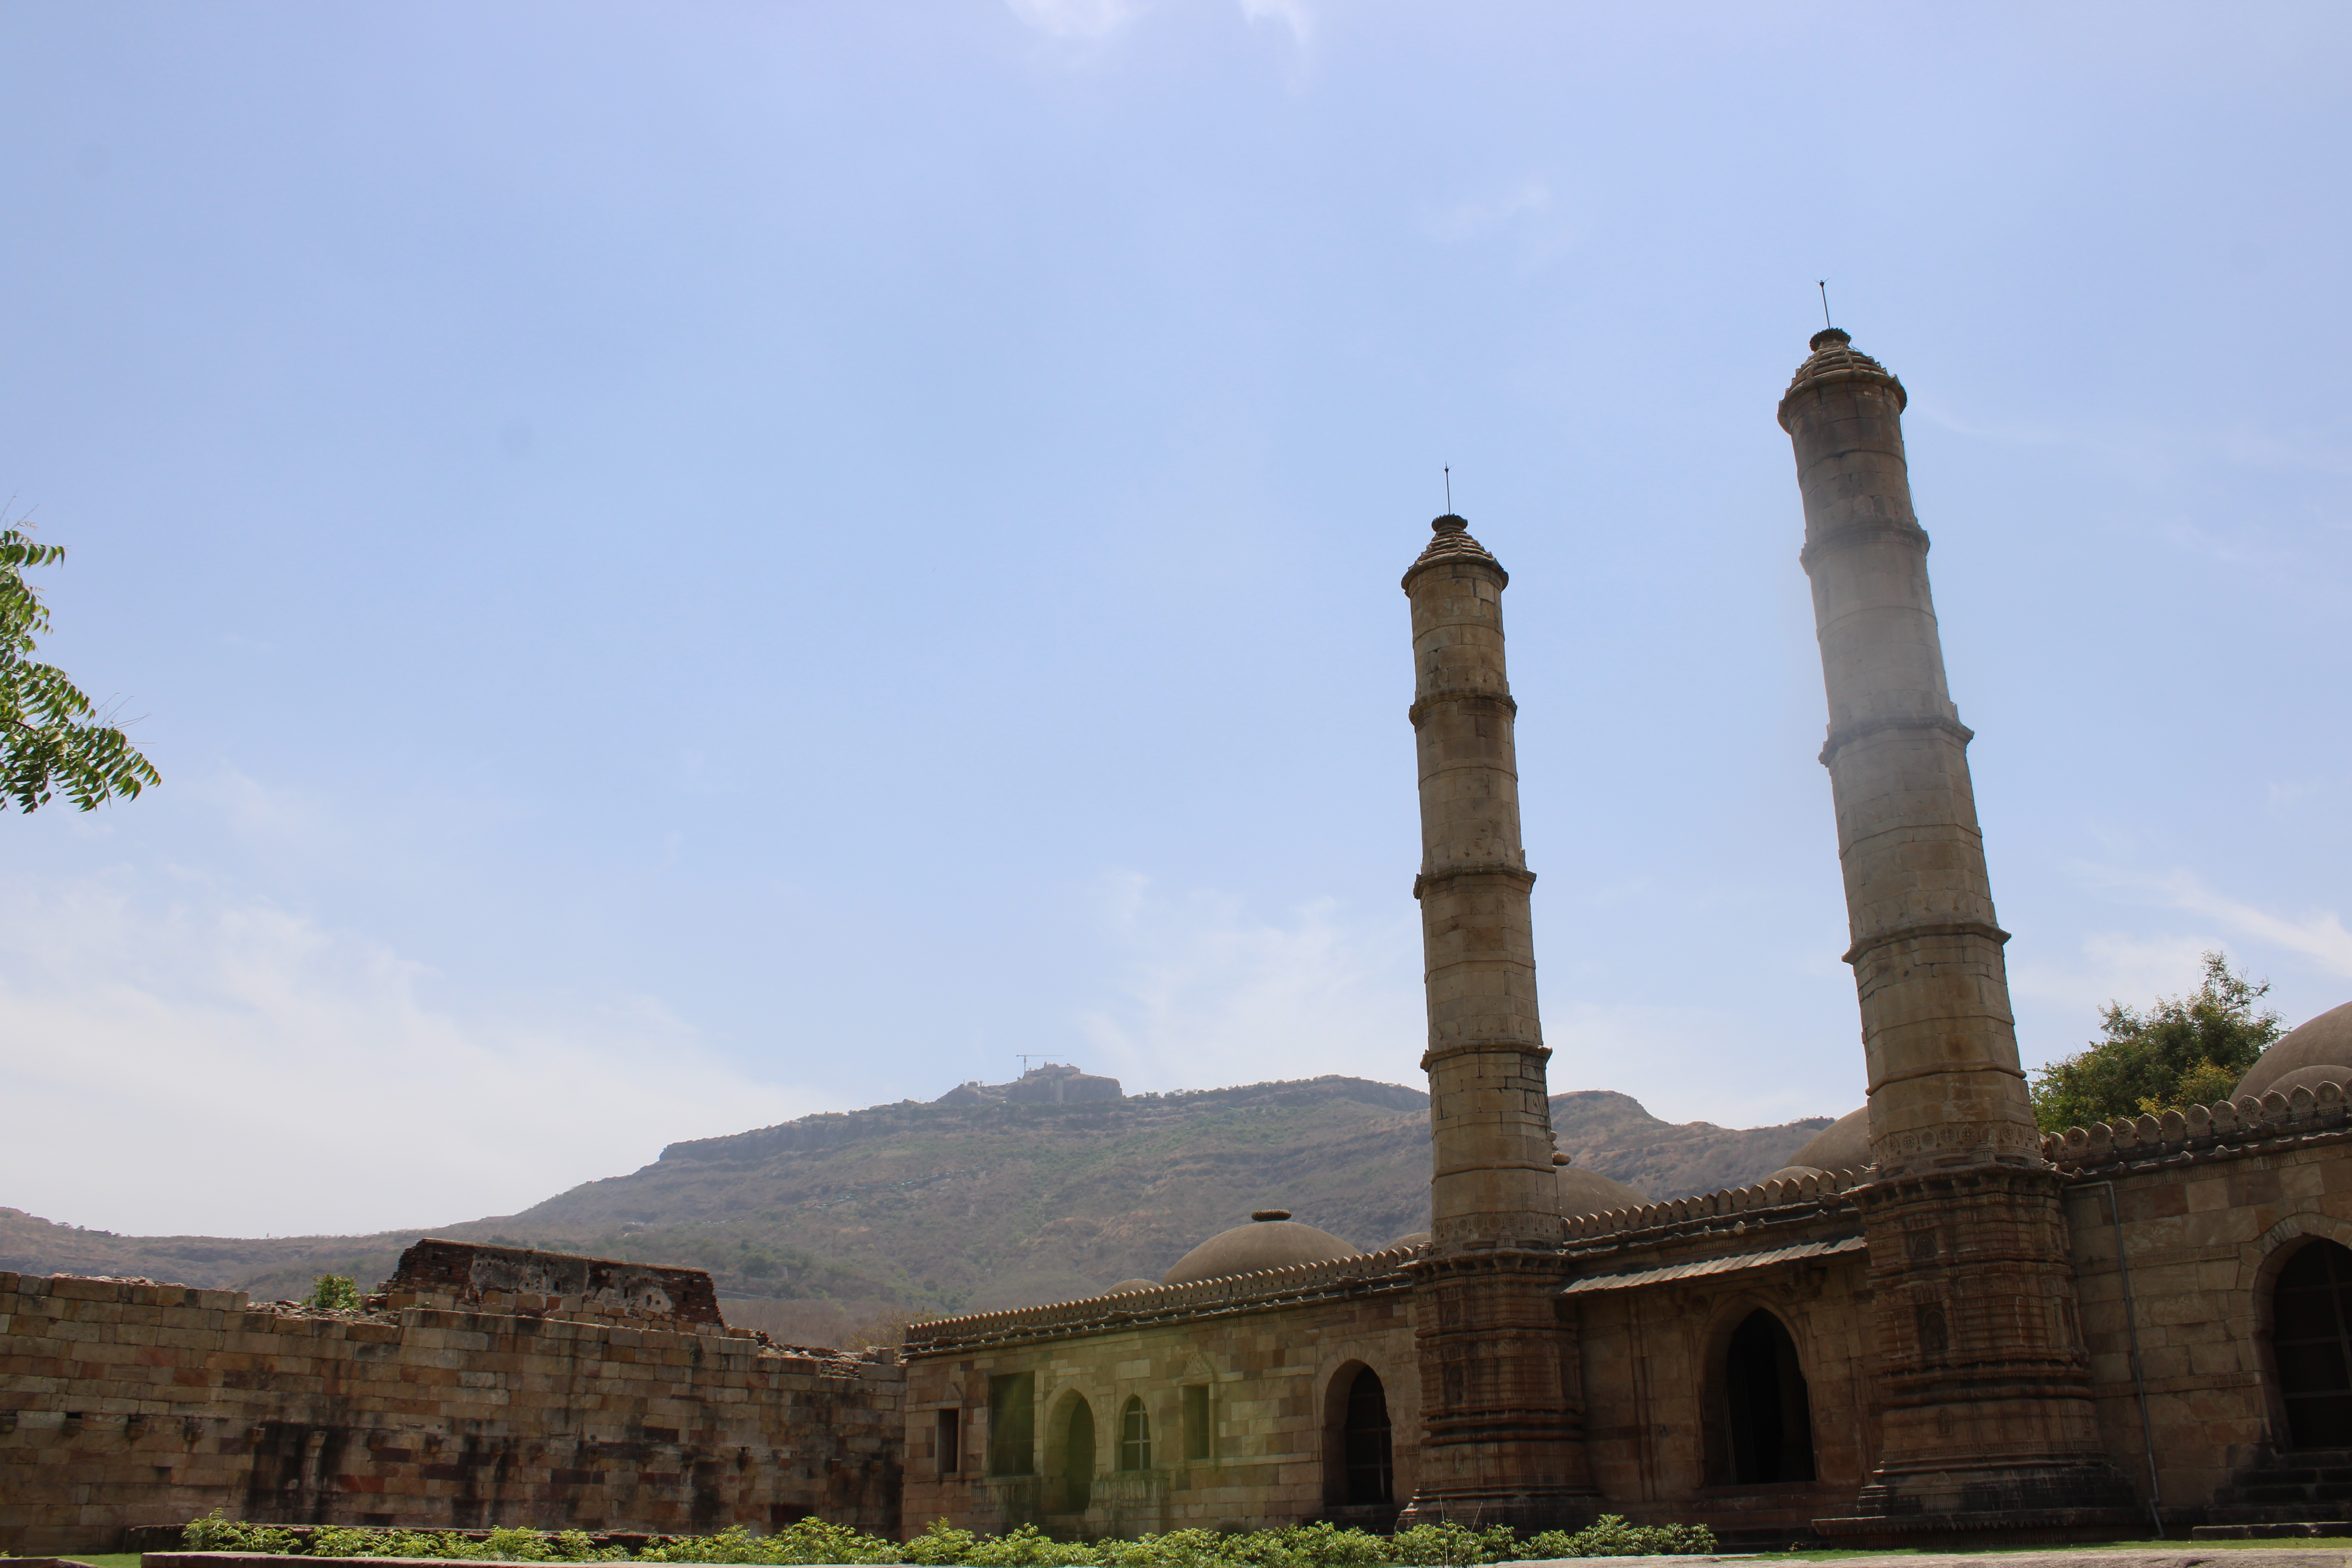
(813, 1541)
(338, 1291)
(1610, 1536)
(213, 1533)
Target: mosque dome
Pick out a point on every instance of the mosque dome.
(1590, 1192)
(1843, 1145)
(1124, 1285)
(2325, 1042)
(1271, 1240)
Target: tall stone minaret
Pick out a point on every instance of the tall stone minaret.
(1503, 1428)
(1984, 1378)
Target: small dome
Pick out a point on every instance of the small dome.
(2325, 1042)
(1793, 1173)
(1843, 1145)
(1409, 1238)
(1590, 1192)
(1269, 1243)
(1124, 1285)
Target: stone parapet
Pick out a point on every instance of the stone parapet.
(1339, 1279)
(1824, 1192)
(2322, 1113)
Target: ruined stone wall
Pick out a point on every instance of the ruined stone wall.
(2211, 1204)
(1271, 1356)
(133, 1403)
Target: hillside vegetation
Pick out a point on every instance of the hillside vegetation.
(821, 1222)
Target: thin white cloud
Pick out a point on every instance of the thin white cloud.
(2317, 934)
(1295, 15)
(2059, 999)
(1212, 995)
(1077, 18)
(1482, 215)
(179, 1060)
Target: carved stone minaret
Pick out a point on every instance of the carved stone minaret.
(1503, 1429)
(1984, 1378)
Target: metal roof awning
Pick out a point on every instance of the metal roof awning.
(1737, 1263)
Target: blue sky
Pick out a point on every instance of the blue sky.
(690, 565)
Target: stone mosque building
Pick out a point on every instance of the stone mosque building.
(1936, 1324)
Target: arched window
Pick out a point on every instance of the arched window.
(1767, 1416)
(1078, 1457)
(1134, 1437)
(1364, 1441)
(2311, 1308)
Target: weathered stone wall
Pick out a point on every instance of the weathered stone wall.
(1274, 1354)
(133, 1403)
(2211, 1204)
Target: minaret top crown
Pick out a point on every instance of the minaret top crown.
(1452, 544)
(1835, 359)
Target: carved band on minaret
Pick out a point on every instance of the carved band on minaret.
(1983, 1372)
(1503, 1430)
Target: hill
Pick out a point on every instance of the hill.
(972, 1203)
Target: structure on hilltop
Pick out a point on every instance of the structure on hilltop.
(1054, 1083)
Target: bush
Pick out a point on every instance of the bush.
(1610, 1536)
(213, 1533)
(337, 1291)
(811, 1540)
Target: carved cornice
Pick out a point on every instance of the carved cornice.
(1519, 874)
(1502, 699)
(1985, 929)
(1867, 531)
(1863, 728)
(1436, 1054)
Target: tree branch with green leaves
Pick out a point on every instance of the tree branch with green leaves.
(53, 739)
(2184, 1051)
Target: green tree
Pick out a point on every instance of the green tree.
(2185, 1051)
(52, 737)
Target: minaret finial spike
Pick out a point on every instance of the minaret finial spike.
(1824, 287)
(1449, 486)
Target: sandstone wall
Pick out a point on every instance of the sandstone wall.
(2211, 1203)
(1273, 1355)
(133, 1404)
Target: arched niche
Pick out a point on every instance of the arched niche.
(2310, 1320)
(1071, 1454)
(1359, 1451)
(1759, 1410)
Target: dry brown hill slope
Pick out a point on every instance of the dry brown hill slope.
(947, 1207)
